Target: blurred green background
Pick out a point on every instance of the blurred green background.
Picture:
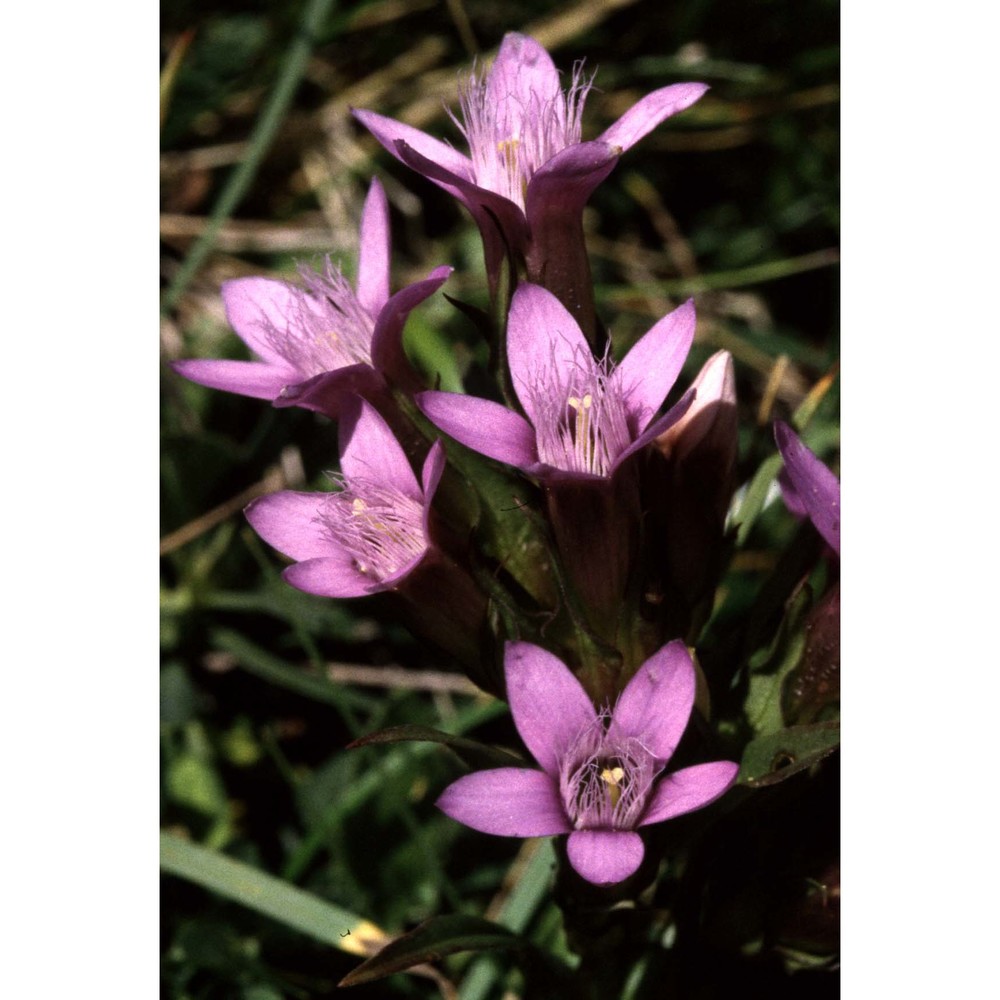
(262, 167)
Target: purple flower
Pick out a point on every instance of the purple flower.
(527, 170)
(368, 536)
(600, 777)
(315, 342)
(810, 489)
(584, 416)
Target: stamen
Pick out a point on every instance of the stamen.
(605, 785)
(590, 430)
(327, 328)
(380, 527)
(511, 138)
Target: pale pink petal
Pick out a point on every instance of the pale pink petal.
(259, 309)
(549, 706)
(388, 131)
(332, 576)
(656, 703)
(482, 425)
(248, 378)
(507, 801)
(817, 487)
(524, 72)
(373, 254)
(647, 373)
(715, 394)
(647, 113)
(289, 521)
(544, 342)
(605, 857)
(369, 451)
(689, 789)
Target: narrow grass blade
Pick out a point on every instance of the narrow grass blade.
(264, 133)
(271, 896)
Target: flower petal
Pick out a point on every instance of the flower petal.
(816, 486)
(482, 425)
(329, 392)
(656, 703)
(501, 223)
(369, 450)
(647, 373)
(332, 576)
(563, 184)
(256, 306)
(647, 113)
(522, 72)
(258, 379)
(657, 428)
(713, 410)
(388, 131)
(605, 856)
(290, 522)
(689, 789)
(544, 342)
(507, 801)
(387, 338)
(549, 705)
(430, 475)
(373, 254)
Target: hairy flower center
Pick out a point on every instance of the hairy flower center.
(380, 527)
(327, 328)
(605, 784)
(581, 425)
(511, 137)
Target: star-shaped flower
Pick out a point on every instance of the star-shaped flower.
(584, 417)
(527, 170)
(326, 339)
(368, 536)
(600, 777)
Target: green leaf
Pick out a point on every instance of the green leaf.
(755, 497)
(266, 894)
(433, 354)
(432, 940)
(769, 667)
(472, 752)
(773, 758)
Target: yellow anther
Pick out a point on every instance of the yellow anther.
(507, 148)
(612, 777)
(358, 507)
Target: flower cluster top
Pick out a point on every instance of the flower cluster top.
(534, 534)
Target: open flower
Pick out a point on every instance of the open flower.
(809, 488)
(584, 417)
(601, 771)
(527, 170)
(371, 534)
(313, 342)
